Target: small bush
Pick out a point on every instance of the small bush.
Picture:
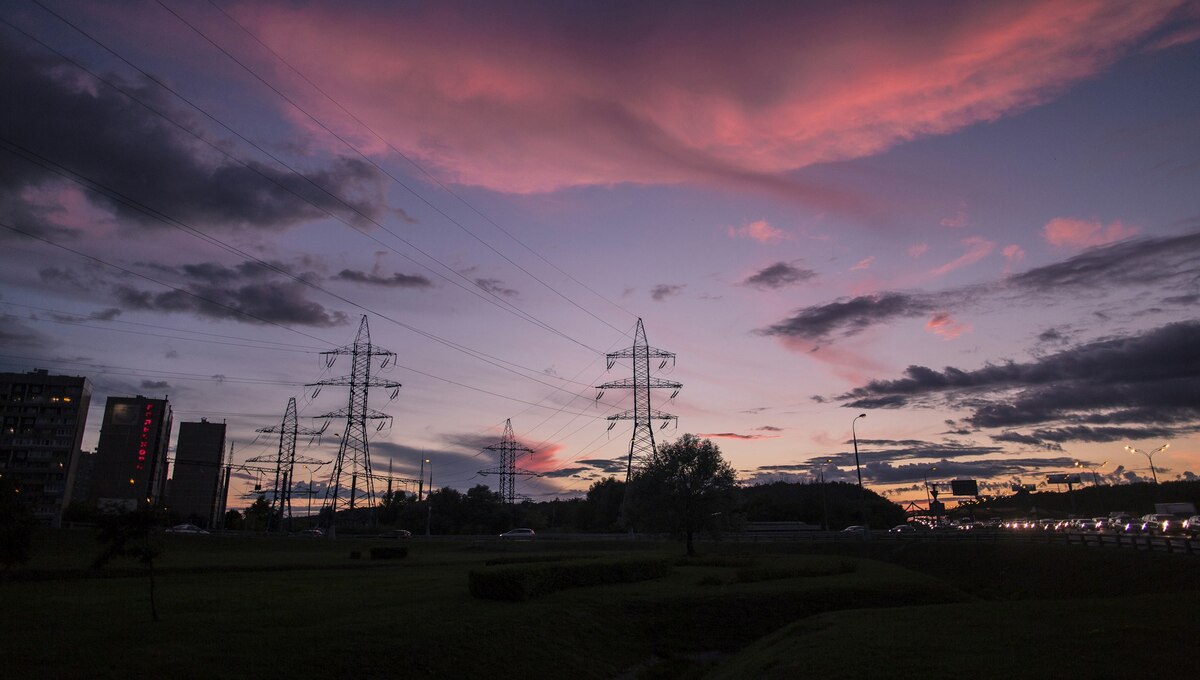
(831, 568)
(530, 559)
(519, 582)
(390, 552)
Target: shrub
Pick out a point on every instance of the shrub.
(529, 559)
(519, 582)
(826, 568)
(389, 552)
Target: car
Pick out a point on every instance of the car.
(1192, 526)
(902, 529)
(518, 535)
(396, 533)
(186, 529)
(311, 533)
(854, 529)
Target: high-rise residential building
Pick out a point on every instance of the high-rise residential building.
(196, 476)
(42, 418)
(131, 458)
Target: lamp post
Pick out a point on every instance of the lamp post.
(1092, 467)
(1149, 456)
(928, 500)
(421, 480)
(429, 506)
(824, 492)
(862, 496)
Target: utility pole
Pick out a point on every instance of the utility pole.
(509, 450)
(641, 445)
(353, 458)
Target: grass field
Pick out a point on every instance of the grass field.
(268, 607)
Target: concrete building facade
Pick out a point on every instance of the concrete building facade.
(131, 458)
(196, 473)
(42, 419)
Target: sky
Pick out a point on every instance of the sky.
(975, 223)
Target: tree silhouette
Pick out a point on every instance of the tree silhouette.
(684, 486)
(130, 535)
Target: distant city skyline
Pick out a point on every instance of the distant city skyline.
(975, 223)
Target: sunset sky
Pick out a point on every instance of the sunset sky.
(976, 222)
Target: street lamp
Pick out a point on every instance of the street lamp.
(1092, 467)
(824, 492)
(1150, 457)
(429, 506)
(862, 496)
(928, 500)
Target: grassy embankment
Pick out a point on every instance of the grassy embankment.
(268, 607)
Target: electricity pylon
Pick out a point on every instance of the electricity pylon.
(353, 462)
(642, 444)
(507, 469)
(285, 462)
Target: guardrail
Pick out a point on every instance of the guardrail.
(1166, 544)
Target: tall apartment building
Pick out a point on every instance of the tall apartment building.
(196, 476)
(42, 418)
(131, 458)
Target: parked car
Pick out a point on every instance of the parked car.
(186, 529)
(396, 533)
(311, 533)
(518, 535)
(1192, 526)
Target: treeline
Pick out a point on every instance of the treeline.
(480, 510)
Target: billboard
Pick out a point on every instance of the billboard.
(964, 487)
(1024, 488)
(1062, 479)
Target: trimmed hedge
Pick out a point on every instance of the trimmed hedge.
(529, 559)
(391, 552)
(519, 582)
(832, 568)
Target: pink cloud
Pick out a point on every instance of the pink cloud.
(1012, 255)
(977, 249)
(759, 230)
(540, 97)
(1067, 232)
(735, 435)
(956, 221)
(943, 325)
(862, 264)
(845, 362)
(918, 250)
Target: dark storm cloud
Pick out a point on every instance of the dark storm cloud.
(156, 385)
(604, 465)
(1172, 262)
(844, 318)
(496, 287)
(14, 333)
(886, 473)
(663, 291)
(257, 302)
(396, 280)
(1146, 382)
(96, 132)
(566, 472)
(779, 275)
(1139, 261)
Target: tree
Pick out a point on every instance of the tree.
(259, 516)
(685, 486)
(130, 535)
(16, 528)
(604, 504)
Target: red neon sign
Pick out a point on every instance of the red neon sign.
(144, 443)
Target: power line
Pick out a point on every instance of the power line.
(367, 159)
(433, 178)
(473, 289)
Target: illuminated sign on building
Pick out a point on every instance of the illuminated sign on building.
(144, 442)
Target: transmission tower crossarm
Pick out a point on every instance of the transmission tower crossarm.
(632, 383)
(354, 381)
(652, 414)
(632, 352)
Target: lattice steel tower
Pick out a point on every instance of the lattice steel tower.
(509, 450)
(352, 467)
(642, 443)
(285, 462)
